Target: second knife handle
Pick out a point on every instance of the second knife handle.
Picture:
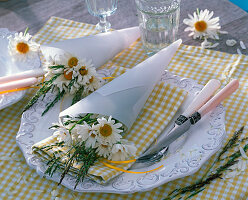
(204, 95)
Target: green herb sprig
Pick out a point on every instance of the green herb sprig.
(48, 85)
(77, 154)
(215, 171)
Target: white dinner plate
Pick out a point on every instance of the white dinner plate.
(202, 141)
(8, 66)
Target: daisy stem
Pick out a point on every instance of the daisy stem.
(198, 12)
(80, 121)
(26, 31)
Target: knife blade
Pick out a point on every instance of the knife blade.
(231, 87)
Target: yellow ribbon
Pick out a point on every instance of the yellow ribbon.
(131, 172)
(121, 162)
(104, 78)
(18, 89)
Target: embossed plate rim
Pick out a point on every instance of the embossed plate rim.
(130, 183)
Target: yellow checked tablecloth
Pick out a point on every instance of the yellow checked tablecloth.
(18, 181)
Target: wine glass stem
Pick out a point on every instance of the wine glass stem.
(103, 20)
(103, 25)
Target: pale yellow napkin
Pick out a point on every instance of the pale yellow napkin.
(159, 109)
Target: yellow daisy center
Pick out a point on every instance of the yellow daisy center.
(91, 79)
(68, 76)
(92, 135)
(104, 146)
(22, 47)
(106, 130)
(201, 26)
(73, 61)
(83, 71)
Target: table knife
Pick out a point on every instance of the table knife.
(231, 87)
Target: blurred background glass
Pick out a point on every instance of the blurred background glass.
(102, 9)
(158, 23)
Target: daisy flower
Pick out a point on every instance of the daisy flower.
(63, 135)
(121, 151)
(83, 131)
(94, 83)
(62, 82)
(67, 59)
(103, 150)
(21, 47)
(92, 140)
(203, 25)
(84, 71)
(108, 131)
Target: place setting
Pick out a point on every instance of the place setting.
(106, 111)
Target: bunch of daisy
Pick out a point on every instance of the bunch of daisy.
(21, 46)
(102, 134)
(67, 74)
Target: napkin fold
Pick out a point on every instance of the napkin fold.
(159, 109)
(99, 48)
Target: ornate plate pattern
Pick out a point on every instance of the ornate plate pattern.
(202, 141)
(8, 67)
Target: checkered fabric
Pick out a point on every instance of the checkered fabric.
(17, 181)
(159, 109)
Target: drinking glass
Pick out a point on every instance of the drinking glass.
(158, 23)
(102, 9)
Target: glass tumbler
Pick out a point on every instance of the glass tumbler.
(158, 23)
(102, 9)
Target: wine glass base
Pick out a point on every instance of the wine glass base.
(103, 27)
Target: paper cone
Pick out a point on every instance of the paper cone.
(124, 97)
(99, 48)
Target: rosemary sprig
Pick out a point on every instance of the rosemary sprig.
(229, 145)
(207, 178)
(76, 154)
(57, 98)
(78, 95)
(47, 86)
(88, 157)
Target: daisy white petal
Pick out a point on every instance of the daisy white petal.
(231, 43)
(103, 150)
(243, 153)
(63, 135)
(239, 51)
(242, 45)
(122, 150)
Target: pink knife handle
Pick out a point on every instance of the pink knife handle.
(231, 87)
(204, 95)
